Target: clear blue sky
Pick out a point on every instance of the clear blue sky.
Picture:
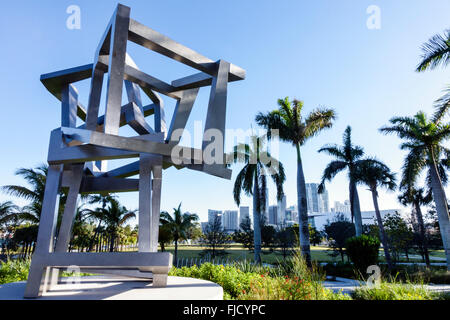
(317, 51)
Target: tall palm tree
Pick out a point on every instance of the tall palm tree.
(350, 157)
(417, 198)
(114, 216)
(424, 140)
(252, 179)
(178, 225)
(375, 174)
(295, 129)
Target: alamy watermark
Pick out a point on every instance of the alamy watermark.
(73, 21)
(373, 22)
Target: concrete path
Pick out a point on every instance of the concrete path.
(119, 288)
(350, 285)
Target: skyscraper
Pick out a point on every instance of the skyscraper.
(244, 212)
(230, 220)
(273, 215)
(212, 214)
(317, 203)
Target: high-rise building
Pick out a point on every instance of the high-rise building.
(317, 203)
(244, 212)
(281, 211)
(212, 214)
(230, 220)
(273, 215)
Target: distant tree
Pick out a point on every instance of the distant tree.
(252, 179)
(164, 237)
(376, 174)
(416, 198)
(215, 239)
(315, 236)
(178, 225)
(346, 157)
(285, 240)
(399, 234)
(337, 232)
(114, 216)
(268, 234)
(371, 230)
(244, 235)
(194, 232)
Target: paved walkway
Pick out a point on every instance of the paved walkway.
(350, 285)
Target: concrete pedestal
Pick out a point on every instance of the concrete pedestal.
(120, 288)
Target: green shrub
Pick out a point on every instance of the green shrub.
(232, 280)
(267, 288)
(395, 291)
(14, 270)
(363, 251)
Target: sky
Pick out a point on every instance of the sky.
(321, 52)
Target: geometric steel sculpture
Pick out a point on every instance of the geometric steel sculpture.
(77, 155)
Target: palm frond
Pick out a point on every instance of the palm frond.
(435, 52)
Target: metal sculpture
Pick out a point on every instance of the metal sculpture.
(77, 155)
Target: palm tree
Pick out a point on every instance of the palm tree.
(252, 179)
(350, 157)
(295, 129)
(104, 199)
(35, 194)
(114, 216)
(424, 141)
(416, 198)
(8, 212)
(178, 225)
(435, 52)
(375, 174)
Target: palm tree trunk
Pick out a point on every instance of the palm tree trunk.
(92, 242)
(256, 221)
(302, 210)
(355, 208)
(381, 227)
(423, 237)
(111, 244)
(440, 201)
(176, 252)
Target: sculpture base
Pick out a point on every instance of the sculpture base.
(120, 288)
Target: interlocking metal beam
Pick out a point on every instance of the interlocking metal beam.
(77, 155)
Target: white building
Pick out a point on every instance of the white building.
(368, 217)
(230, 220)
(340, 207)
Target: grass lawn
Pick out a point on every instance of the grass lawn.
(237, 252)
